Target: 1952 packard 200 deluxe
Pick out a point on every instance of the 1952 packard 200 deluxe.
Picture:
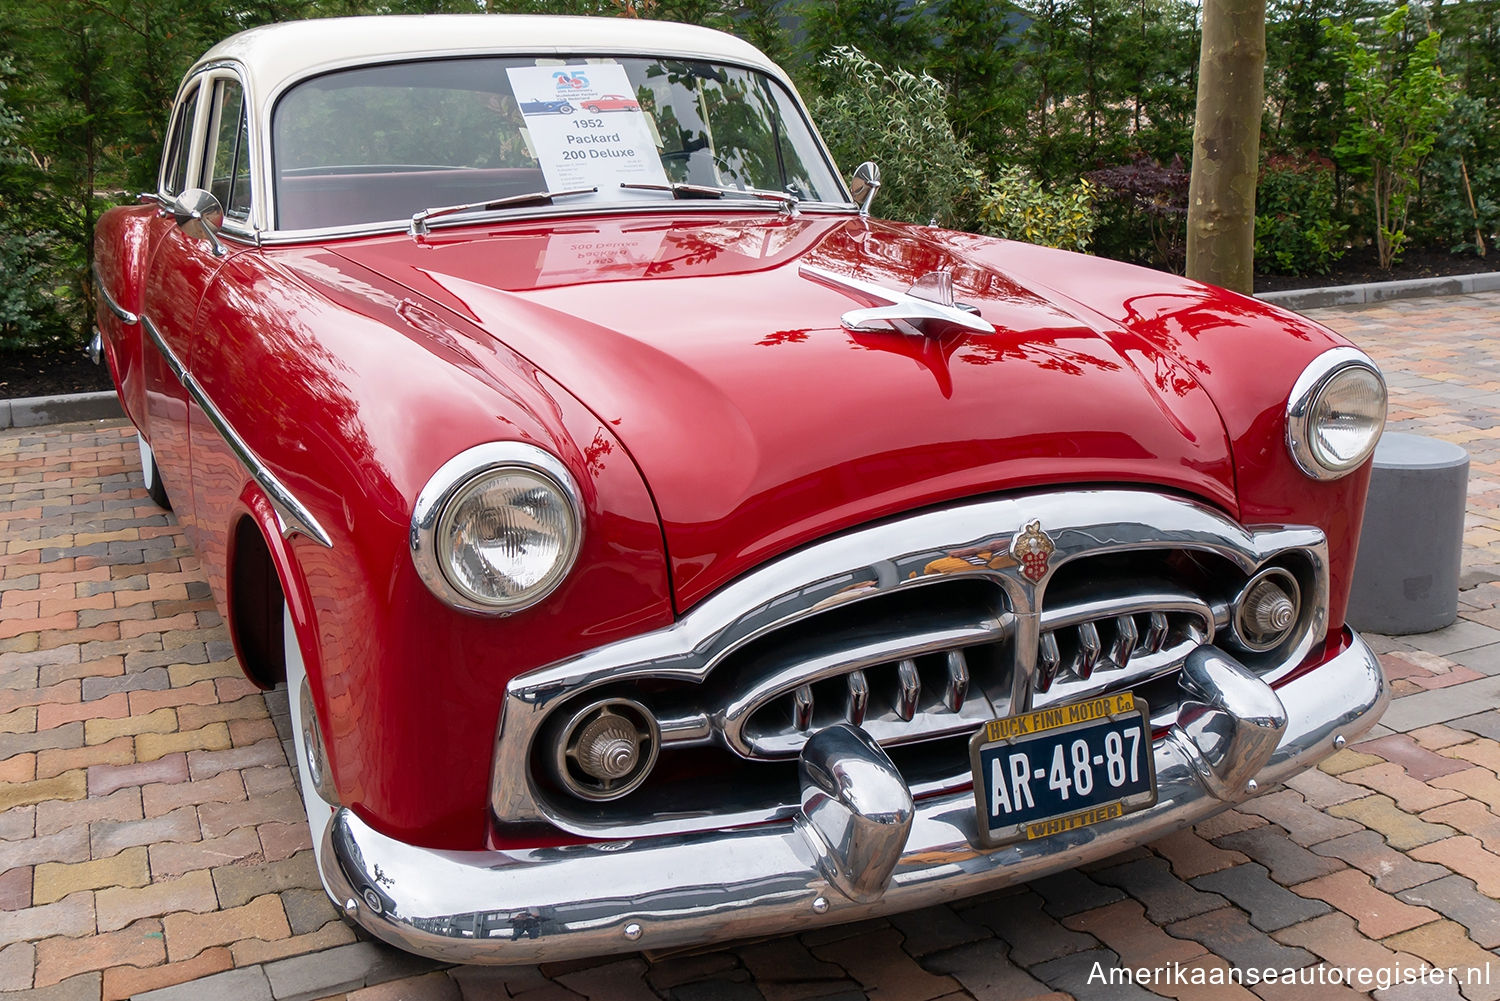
(656, 548)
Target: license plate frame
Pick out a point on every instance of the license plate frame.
(995, 745)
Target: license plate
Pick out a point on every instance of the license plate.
(1058, 769)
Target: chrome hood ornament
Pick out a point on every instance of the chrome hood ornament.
(929, 302)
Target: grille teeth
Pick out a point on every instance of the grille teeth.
(1089, 649)
(1048, 660)
(1126, 637)
(802, 707)
(957, 689)
(1156, 633)
(859, 697)
(909, 683)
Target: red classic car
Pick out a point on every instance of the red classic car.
(611, 102)
(658, 549)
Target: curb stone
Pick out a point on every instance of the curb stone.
(1353, 295)
(35, 411)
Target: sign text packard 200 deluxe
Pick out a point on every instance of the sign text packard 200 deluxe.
(658, 549)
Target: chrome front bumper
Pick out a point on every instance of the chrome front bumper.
(829, 865)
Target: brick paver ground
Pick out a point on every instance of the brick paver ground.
(150, 834)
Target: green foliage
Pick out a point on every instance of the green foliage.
(900, 120)
(1143, 212)
(1017, 207)
(1297, 230)
(1396, 99)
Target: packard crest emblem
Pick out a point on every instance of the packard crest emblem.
(1032, 549)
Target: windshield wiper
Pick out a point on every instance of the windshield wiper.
(419, 221)
(683, 190)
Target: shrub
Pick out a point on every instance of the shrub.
(900, 120)
(1143, 212)
(1017, 207)
(1297, 230)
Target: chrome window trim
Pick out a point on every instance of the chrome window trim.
(125, 315)
(1299, 404)
(247, 230)
(881, 557)
(457, 473)
(294, 516)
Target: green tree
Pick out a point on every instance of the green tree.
(1396, 99)
(899, 119)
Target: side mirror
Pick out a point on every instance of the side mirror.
(866, 183)
(199, 215)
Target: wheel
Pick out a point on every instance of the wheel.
(592, 109)
(152, 475)
(566, 109)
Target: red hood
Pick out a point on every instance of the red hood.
(760, 423)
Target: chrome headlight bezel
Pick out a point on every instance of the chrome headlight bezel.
(453, 480)
(1325, 371)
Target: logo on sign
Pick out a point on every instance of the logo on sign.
(570, 81)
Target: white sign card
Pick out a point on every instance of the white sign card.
(586, 128)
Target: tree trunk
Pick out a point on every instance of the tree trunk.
(1226, 144)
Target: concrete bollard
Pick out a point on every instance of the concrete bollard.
(1406, 575)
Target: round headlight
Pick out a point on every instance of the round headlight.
(1335, 414)
(496, 528)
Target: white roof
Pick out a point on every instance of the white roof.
(274, 55)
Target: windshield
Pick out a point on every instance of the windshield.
(382, 143)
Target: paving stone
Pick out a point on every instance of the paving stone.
(56, 880)
(1471, 818)
(248, 951)
(157, 679)
(266, 753)
(1466, 856)
(307, 910)
(1457, 898)
(176, 859)
(1439, 736)
(1321, 790)
(1270, 906)
(1335, 940)
(1303, 824)
(1378, 914)
(711, 990)
(1410, 794)
(439, 987)
(1485, 724)
(71, 844)
(162, 797)
(1191, 855)
(1287, 861)
(247, 984)
(1485, 753)
(189, 934)
(117, 907)
(1445, 945)
(68, 787)
(881, 966)
(17, 962)
(122, 982)
(623, 980)
(239, 884)
(1442, 705)
(1476, 783)
(1166, 897)
(107, 837)
(1228, 822)
(58, 959)
(1420, 991)
(150, 746)
(84, 987)
(1086, 976)
(1123, 928)
(1227, 931)
(1071, 891)
(985, 971)
(1390, 869)
(932, 929)
(1032, 934)
(218, 819)
(1346, 761)
(72, 916)
(1400, 829)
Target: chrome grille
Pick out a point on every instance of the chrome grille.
(883, 626)
(914, 698)
(1101, 644)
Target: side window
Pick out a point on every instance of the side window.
(181, 145)
(230, 182)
